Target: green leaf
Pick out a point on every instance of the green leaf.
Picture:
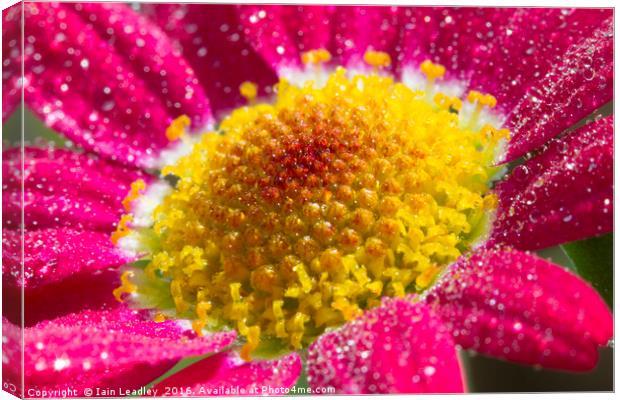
(594, 261)
(35, 130)
(557, 255)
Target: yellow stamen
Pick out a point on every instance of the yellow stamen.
(448, 102)
(490, 201)
(122, 229)
(503, 134)
(493, 134)
(177, 289)
(137, 187)
(425, 279)
(316, 57)
(432, 71)
(481, 100)
(377, 59)
(177, 128)
(126, 286)
(248, 90)
(253, 340)
(159, 317)
(485, 100)
(202, 308)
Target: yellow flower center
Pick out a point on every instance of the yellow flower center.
(295, 216)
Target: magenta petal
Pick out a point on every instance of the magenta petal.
(92, 76)
(453, 37)
(106, 349)
(265, 29)
(309, 26)
(11, 59)
(72, 205)
(63, 188)
(212, 39)
(64, 271)
(399, 347)
(223, 372)
(53, 255)
(420, 29)
(515, 306)
(530, 44)
(74, 294)
(282, 33)
(561, 195)
(576, 86)
(360, 28)
(160, 64)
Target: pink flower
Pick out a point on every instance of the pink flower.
(112, 80)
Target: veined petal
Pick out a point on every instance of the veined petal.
(561, 195)
(91, 75)
(282, 33)
(64, 271)
(399, 347)
(147, 46)
(360, 28)
(529, 44)
(450, 36)
(264, 27)
(118, 349)
(515, 306)
(63, 188)
(227, 374)
(581, 82)
(52, 255)
(211, 38)
(309, 26)
(72, 202)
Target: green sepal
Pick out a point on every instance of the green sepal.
(594, 261)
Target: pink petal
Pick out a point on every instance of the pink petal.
(64, 271)
(515, 306)
(149, 47)
(52, 255)
(564, 194)
(450, 36)
(63, 188)
(72, 205)
(399, 347)
(309, 26)
(11, 59)
(92, 76)
(420, 29)
(74, 294)
(118, 349)
(226, 371)
(281, 33)
(578, 84)
(360, 28)
(211, 38)
(265, 29)
(531, 42)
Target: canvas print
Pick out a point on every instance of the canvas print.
(240, 199)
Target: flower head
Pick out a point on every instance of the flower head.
(296, 216)
(355, 202)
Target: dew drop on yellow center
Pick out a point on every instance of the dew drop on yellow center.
(296, 216)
